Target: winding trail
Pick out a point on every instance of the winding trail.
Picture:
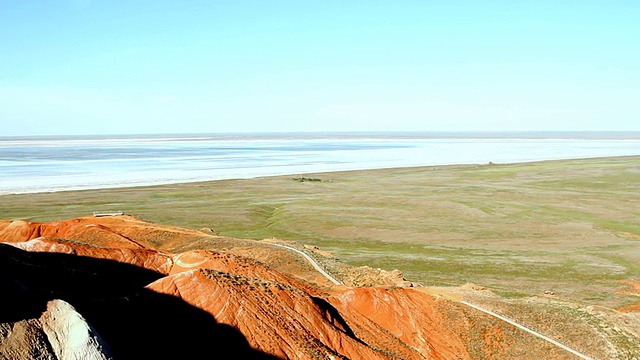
(582, 356)
(521, 327)
(313, 263)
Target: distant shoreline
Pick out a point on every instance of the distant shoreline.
(161, 183)
(54, 164)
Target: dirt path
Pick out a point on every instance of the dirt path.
(313, 263)
(521, 327)
(582, 356)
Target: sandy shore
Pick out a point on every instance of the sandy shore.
(123, 182)
(60, 164)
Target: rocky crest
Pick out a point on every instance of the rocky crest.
(119, 287)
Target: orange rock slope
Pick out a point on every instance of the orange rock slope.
(145, 301)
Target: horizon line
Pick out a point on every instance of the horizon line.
(416, 134)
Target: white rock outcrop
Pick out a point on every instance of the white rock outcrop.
(69, 334)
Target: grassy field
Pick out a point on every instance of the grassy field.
(572, 227)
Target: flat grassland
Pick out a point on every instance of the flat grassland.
(571, 227)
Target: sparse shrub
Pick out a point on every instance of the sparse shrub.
(303, 179)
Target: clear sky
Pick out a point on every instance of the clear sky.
(114, 67)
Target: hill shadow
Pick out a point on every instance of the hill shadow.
(135, 322)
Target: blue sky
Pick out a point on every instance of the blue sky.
(114, 67)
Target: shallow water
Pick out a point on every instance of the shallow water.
(66, 163)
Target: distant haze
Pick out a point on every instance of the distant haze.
(74, 67)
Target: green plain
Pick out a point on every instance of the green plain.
(571, 226)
